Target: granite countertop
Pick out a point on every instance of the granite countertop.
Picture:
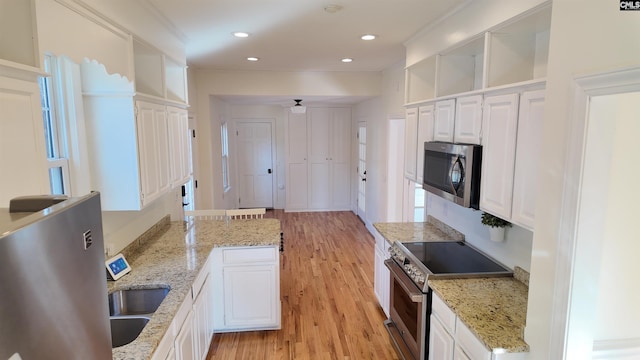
(172, 256)
(431, 230)
(494, 309)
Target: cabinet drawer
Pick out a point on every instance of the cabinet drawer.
(473, 347)
(250, 255)
(443, 313)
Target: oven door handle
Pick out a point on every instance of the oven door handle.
(407, 285)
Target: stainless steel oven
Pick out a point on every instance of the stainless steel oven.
(411, 266)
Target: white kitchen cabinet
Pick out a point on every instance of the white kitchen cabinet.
(411, 143)
(444, 120)
(201, 309)
(468, 123)
(426, 118)
(526, 165)
(499, 125)
(318, 147)
(381, 272)
(23, 157)
(451, 339)
(178, 126)
(246, 288)
(296, 155)
(128, 143)
(184, 344)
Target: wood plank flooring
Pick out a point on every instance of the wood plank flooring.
(329, 309)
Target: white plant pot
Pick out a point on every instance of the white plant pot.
(496, 234)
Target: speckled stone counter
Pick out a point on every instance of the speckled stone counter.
(431, 230)
(494, 309)
(173, 258)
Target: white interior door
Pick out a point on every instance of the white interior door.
(255, 164)
(362, 169)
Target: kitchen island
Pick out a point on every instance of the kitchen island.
(172, 255)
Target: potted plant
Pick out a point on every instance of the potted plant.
(496, 226)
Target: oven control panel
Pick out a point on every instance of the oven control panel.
(414, 272)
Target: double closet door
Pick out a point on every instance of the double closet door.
(318, 148)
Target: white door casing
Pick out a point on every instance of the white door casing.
(255, 164)
(362, 170)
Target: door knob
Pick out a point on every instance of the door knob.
(268, 171)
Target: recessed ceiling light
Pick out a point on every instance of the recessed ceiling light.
(367, 37)
(241, 34)
(252, 58)
(346, 60)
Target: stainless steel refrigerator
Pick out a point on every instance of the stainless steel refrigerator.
(53, 287)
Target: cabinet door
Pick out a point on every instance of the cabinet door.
(201, 318)
(499, 124)
(184, 345)
(319, 153)
(468, 120)
(410, 144)
(458, 354)
(162, 134)
(526, 165)
(440, 342)
(296, 151)
(153, 148)
(425, 133)
(22, 147)
(444, 120)
(340, 151)
(251, 297)
(179, 153)
(381, 279)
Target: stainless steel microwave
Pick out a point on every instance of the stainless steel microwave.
(452, 171)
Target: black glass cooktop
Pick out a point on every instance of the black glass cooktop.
(453, 258)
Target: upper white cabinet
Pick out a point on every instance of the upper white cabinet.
(468, 121)
(17, 25)
(512, 52)
(158, 75)
(426, 118)
(527, 152)
(410, 143)
(323, 153)
(178, 126)
(22, 147)
(444, 120)
(511, 143)
(129, 142)
(499, 124)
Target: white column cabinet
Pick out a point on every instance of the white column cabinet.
(499, 124)
(468, 121)
(23, 158)
(444, 120)
(246, 288)
(410, 143)
(318, 159)
(296, 155)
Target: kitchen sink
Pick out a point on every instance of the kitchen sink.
(126, 329)
(136, 301)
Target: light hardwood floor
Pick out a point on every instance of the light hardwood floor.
(329, 309)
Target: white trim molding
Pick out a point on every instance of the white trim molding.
(616, 349)
(573, 269)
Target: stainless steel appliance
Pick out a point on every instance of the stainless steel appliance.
(411, 266)
(53, 287)
(452, 171)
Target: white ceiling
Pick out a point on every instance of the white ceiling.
(299, 35)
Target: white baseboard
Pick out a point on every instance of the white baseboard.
(616, 349)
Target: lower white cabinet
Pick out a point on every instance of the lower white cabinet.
(190, 332)
(246, 288)
(381, 273)
(451, 339)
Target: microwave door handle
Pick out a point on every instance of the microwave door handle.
(456, 164)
